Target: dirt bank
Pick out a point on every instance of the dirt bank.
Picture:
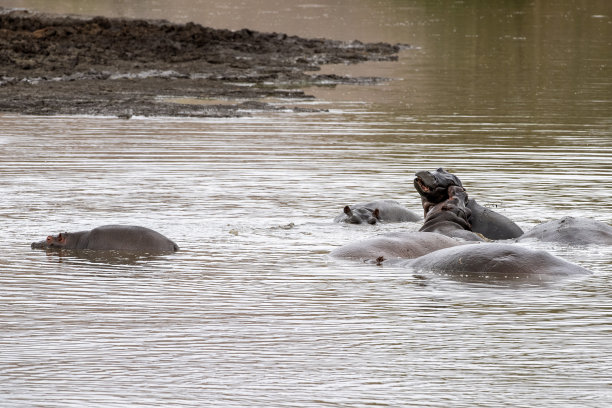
(52, 64)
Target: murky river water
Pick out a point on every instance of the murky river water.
(252, 312)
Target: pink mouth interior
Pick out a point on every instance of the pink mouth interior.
(423, 186)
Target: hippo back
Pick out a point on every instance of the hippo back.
(392, 211)
(128, 238)
(495, 261)
(492, 224)
(394, 245)
(571, 231)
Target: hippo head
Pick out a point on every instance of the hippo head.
(361, 215)
(433, 185)
(61, 240)
(457, 202)
(454, 208)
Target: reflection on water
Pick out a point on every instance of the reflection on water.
(251, 311)
(102, 257)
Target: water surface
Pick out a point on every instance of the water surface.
(514, 99)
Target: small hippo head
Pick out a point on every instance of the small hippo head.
(433, 186)
(361, 215)
(61, 240)
(455, 204)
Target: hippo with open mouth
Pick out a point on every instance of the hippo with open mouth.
(110, 238)
(433, 187)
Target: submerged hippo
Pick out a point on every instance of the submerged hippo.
(450, 217)
(433, 189)
(394, 245)
(110, 238)
(376, 211)
(496, 261)
(571, 231)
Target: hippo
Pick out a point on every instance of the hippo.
(486, 262)
(491, 224)
(376, 211)
(450, 217)
(433, 189)
(394, 245)
(433, 186)
(110, 238)
(571, 231)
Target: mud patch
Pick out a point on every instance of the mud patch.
(56, 64)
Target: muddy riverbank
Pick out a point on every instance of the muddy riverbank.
(55, 64)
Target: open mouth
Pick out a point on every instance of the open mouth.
(422, 185)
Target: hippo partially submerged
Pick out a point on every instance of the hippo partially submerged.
(433, 186)
(376, 211)
(111, 238)
(496, 261)
(450, 217)
(571, 231)
(433, 189)
(395, 245)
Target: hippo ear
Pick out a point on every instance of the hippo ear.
(347, 211)
(376, 213)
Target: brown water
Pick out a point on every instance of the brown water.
(515, 99)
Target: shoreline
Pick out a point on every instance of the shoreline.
(64, 64)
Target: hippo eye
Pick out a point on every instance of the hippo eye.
(60, 238)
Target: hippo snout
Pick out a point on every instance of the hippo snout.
(426, 178)
(39, 245)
